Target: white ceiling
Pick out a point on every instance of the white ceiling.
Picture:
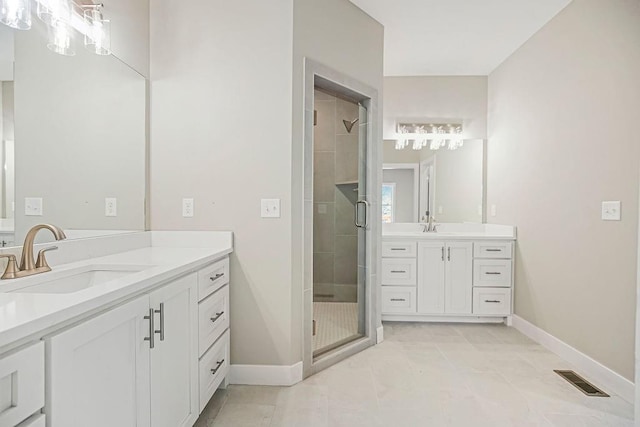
(455, 37)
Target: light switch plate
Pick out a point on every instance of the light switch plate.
(33, 206)
(110, 206)
(187, 208)
(611, 211)
(270, 208)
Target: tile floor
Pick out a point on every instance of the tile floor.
(335, 321)
(427, 375)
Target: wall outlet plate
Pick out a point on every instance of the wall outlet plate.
(611, 211)
(187, 208)
(270, 208)
(110, 206)
(33, 206)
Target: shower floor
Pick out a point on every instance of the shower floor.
(335, 322)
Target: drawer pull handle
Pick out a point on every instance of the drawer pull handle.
(218, 315)
(398, 271)
(398, 249)
(493, 273)
(218, 365)
(398, 299)
(216, 277)
(494, 250)
(493, 301)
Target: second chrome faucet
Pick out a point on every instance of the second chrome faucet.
(28, 265)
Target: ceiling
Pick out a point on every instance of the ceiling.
(455, 37)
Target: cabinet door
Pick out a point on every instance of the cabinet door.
(459, 278)
(174, 360)
(98, 372)
(431, 261)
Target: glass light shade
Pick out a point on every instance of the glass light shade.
(61, 38)
(16, 13)
(98, 35)
(54, 10)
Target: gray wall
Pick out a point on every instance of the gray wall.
(222, 116)
(335, 240)
(562, 111)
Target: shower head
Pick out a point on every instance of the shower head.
(348, 124)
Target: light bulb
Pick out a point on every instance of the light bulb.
(16, 13)
(60, 38)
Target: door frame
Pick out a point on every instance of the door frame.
(318, 75)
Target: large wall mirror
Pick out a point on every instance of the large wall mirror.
(447, 183)
(74, 132)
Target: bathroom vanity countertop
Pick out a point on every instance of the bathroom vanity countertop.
(449, 231)
(25, 315)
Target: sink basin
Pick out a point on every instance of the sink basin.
(82, 278)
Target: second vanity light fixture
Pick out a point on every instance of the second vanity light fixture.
(61, 18)
(434, 135)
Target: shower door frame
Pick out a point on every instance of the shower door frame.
(316, 74)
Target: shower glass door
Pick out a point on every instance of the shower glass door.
(339, 221)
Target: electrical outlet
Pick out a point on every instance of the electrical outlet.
(187, 208)
(33, 206)
(611, 211)
(270, 208)
(110, 206)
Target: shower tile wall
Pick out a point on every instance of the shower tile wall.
(335, 181)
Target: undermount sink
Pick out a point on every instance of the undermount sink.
(82, 278)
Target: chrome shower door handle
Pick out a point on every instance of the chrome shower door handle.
(366, 214)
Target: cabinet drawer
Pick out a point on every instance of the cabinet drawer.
(21, 384)
(214, 366)
(212, 278)
(492, 272)
(398, 299)
(399, 271)
(492, 301)
(37, 420)
(399, 249)
(492, 250)
(213, 313)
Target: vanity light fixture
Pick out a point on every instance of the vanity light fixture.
(16, 14)
(433, 135)
(62, 17)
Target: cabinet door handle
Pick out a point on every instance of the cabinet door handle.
(161, 330)
(442, 253)
(152, 336)
(398, 271)
(494, 273)
(218, 365)
(493, 301)
(217, 316)
(398, 299)
(448, 254)
(216, 277)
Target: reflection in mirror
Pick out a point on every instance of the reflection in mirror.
(446, 183)
(78, 124)
(6, 163)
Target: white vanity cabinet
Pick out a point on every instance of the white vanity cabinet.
(444, 277)
(140, 364)
(21, 385)
(454, 280)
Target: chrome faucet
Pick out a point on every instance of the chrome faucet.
(28, 265)
(428, 224)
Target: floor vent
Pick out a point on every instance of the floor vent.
(581, 384)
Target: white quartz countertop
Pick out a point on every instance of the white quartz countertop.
(449, 231)
(23, 315)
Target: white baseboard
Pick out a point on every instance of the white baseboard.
(586, 366)
(265, 374)
(379, 335)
